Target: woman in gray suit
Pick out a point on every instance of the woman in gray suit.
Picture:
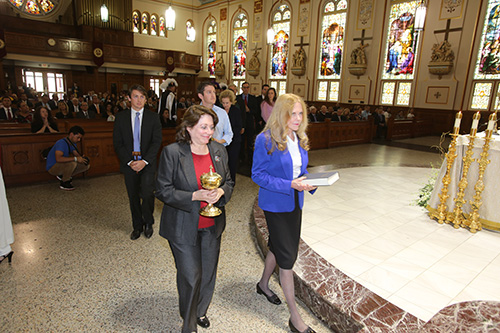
(193, 239)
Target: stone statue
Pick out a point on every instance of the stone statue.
(358, 56)
(442, 52)
(299, 58)
(219, 65)
(254, 63)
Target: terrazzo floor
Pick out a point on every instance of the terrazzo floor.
(75, 269)
(368, 226)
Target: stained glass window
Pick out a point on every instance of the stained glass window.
(279, 49)
(332, 42)
(136, 24)
(488, 60)
(35, 7)
(154, 24)
(322, 88)
(334, 91)
(240, 32)
(497, 98)
(190, 31)
(333, 22)
(402, 43)
(403, 97)
(481, 96)
(211, 46)
(388, 89)
(162, 26)
(145, 23)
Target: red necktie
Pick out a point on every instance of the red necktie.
(246, 100)
(9, 114)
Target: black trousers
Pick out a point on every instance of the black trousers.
(140, 190)
(196, 274)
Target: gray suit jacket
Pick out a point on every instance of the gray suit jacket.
(175, 185)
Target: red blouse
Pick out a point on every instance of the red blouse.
(202, 165)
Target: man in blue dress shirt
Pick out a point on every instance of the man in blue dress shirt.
(223, 132)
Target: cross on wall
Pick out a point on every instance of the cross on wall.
(362, 38)
(447, 30)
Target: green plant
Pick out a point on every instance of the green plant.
(424, 194)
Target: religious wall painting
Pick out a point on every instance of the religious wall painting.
(451, 9)
(136, 24)
(240, 55)
(365, 10)
(488, 66)
(332, 40)
(304, 13)
(257, 27)
(279, 58)
(401, 47)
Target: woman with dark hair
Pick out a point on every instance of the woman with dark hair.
(194, 239)
(43, 122)
(63, 111)
(267, 105)
(228, 100)
(279, 164)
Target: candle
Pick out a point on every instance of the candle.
(492, 122)
(475, 120)
(458, 118)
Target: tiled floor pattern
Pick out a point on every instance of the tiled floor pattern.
(368, 226)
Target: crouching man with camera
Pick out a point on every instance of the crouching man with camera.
(64, 160)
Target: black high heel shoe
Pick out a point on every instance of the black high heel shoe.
(293, 329)
(272, 299)
(8, 256)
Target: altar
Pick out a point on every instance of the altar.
(489, 211)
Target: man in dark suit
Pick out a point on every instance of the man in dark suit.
(251, 107)
(7, 112)
(74, 106)
(137, 139)
(97, 108)
(46, 103)
(85, 113)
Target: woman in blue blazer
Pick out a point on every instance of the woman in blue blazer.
(279, 164)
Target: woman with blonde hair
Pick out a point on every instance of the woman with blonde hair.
(279, 164)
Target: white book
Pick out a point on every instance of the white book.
(321, 178)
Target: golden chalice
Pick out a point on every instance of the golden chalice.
(210, 181)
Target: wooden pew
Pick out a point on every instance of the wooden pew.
(333, 134)
(22, 163)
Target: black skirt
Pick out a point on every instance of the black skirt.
(284, 234)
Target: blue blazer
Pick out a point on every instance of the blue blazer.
(274, 174)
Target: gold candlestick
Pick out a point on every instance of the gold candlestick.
(458, 218)
(441, 213)
(473, 220)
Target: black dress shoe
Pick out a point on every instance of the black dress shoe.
(293, 329)
(272, 299)
(135, 234)
(203, 322)
(148, 230)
